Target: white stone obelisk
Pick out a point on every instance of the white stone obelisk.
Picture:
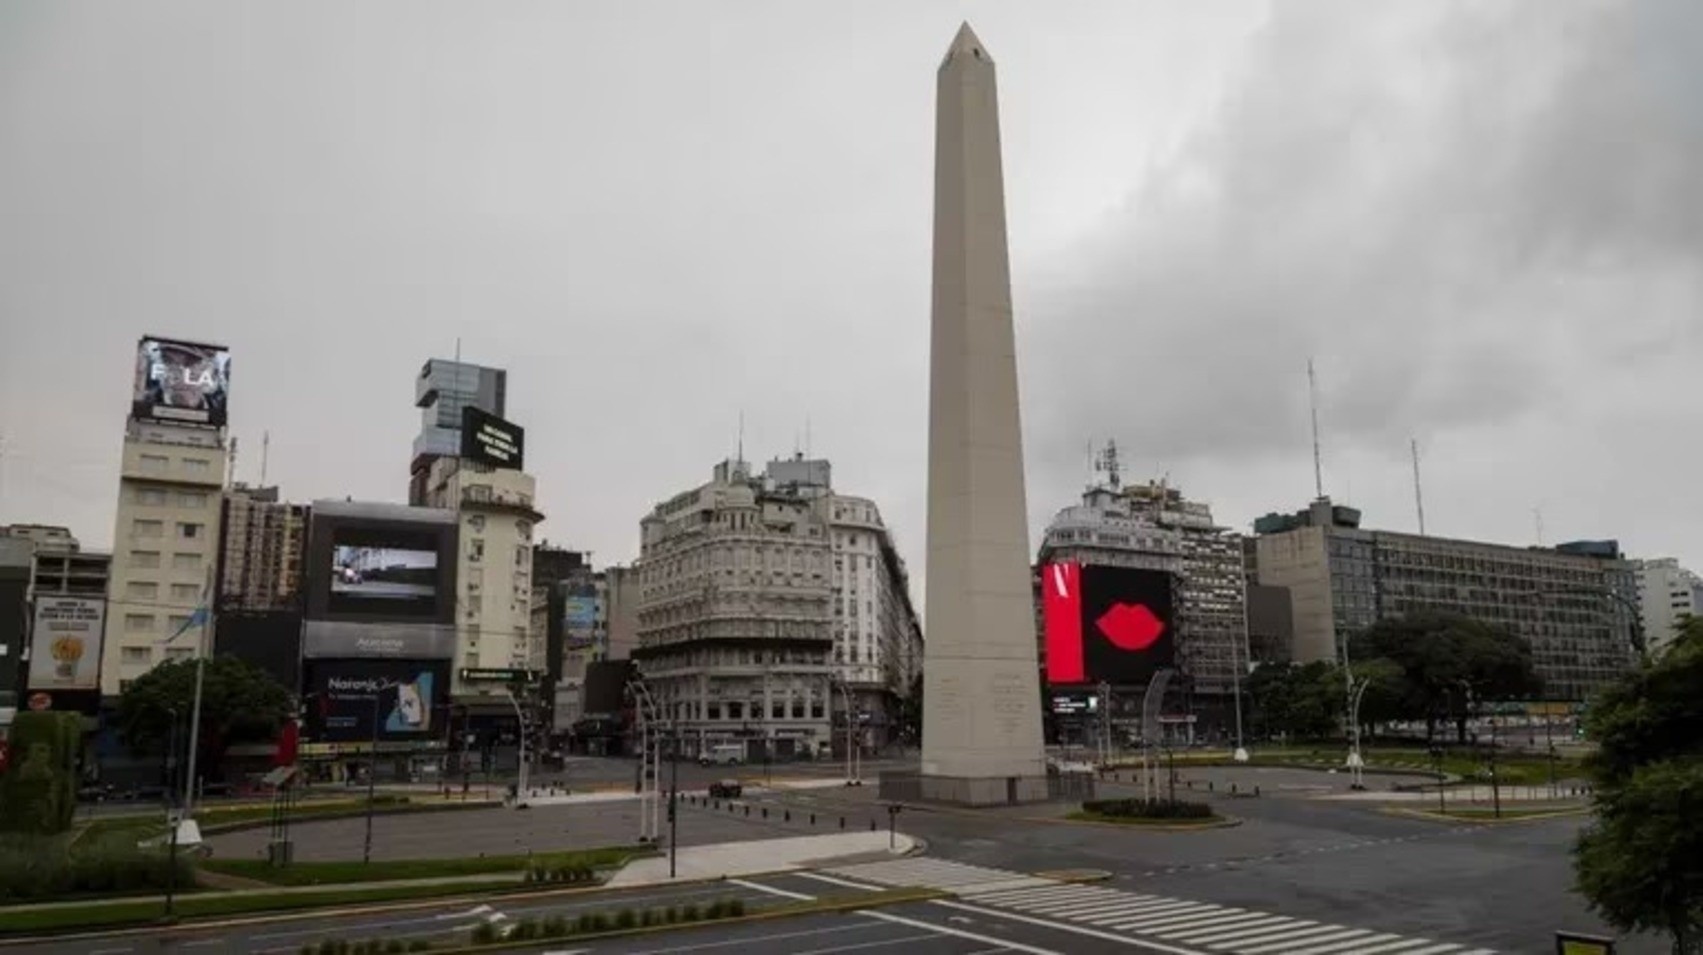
(981, 699)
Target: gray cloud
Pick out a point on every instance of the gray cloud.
(1472, 214)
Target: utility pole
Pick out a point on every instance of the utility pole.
(372, 773)
(674, 802)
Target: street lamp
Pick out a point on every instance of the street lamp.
(1356, 762)
(520, 724)
(372, 769)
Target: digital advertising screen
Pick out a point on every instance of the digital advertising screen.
(491, 440)
(381, 573)
(408, 697)
(1106, 624)
(182, 381)
(65, 652)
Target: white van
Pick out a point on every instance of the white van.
(724, 754)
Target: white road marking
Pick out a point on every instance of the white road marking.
(1073, 929)
(960, 933)
(783, 893)
(844, 883)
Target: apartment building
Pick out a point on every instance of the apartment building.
(263, 542)
(1667, 594)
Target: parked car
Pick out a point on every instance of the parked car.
(726, 789)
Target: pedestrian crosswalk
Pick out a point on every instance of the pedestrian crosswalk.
(1192, 926)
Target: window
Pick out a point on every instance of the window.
(138, 622)
(185, 561)
(135, 655)
(521, 552)
(197, 465)
(189, 531)
(142, 590)
(194, 499)
(712, 711)
(141, 528)
(475, 550)
(145, 559)
(154, 462)
(179, 653)
(177, 622)
(185, 592)
(150, 496)
(477, 522)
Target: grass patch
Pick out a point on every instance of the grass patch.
(123, 913)
(338, 873)
(1508, 812)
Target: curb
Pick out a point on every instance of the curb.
(1223, 822)
(817, 907)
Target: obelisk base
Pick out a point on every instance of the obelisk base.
(972, 791)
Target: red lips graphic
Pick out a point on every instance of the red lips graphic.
(1130, 627)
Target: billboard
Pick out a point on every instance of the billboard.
(409, 698)
(181, 381)
(490, 440)
(386, 573)
(65, 653)
(1106, 624)
(341, 639)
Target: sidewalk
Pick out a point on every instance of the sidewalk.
(544, 797)
(735, 859)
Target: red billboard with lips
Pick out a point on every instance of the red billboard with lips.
(1106, 624)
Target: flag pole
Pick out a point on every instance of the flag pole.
(195, 708)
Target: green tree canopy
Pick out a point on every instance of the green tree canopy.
(1640, 865)
(1436, 660)
(239, 703)
(1305, 700)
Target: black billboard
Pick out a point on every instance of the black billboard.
(1106, 624)
(381, 563)
(488, 439)
(410, 699)
(181, 381)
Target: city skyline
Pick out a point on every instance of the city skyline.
(1144, 188)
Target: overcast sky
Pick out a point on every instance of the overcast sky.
(1483, 220)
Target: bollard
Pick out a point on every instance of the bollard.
(1209, 785)
(786, 816)
(1256, 790)
(813, 819)
(871, 825)
(1188, 783)
(1232, 789)
(842, 822)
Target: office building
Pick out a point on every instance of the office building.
(443, 389)
(260, 554)
(735, 615)
(16, 560)
(1570, 602)
(1667, 594)
(60, 566)
(64, 596)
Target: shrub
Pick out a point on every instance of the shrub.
(690, 913)
(671, 914)
(713, 910)
(735, 908)
(395, 947)
(1148, 809)
(626, 919)
(525, 930)
(555, 927)
(599, 922)
(328, 947)
(647, 918)
(484, 933)
(583, 924)
(418, 945)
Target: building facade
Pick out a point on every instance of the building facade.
(443, 388)
(262, 544)
(1568, 601)
(735, 616)
(165, 544)
(493, 618)
(1667, 594)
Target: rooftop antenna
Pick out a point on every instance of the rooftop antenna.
(1313, 405)
(1107, 461)
(1418, 497)
(1537, 520)
(807, 436)
(458, 349)
(265, 452)
(739, 455)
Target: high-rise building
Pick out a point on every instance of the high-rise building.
(1667, 593)
(165, 539)
(735, 615)
(165, 544)
(443, 389)
(1569, 601)
(260, 554)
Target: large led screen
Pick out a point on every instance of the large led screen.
(384, 573)
(181, 381)
(1106, 624)
(407, 697)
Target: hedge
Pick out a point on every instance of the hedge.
(37, 868)
(1148, 809)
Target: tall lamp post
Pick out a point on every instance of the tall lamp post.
(520, 724)
(1356, 762)
(372, 770)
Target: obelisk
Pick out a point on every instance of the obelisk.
(981, 698)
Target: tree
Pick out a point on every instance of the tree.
(1305, 700)
(910, 714)
(1640, 864)
(1444, 660)
(239, 703)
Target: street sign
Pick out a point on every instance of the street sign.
(1572, 943)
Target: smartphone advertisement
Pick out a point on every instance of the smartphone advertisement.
(407, 697)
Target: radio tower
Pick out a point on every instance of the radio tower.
(1313, 405)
